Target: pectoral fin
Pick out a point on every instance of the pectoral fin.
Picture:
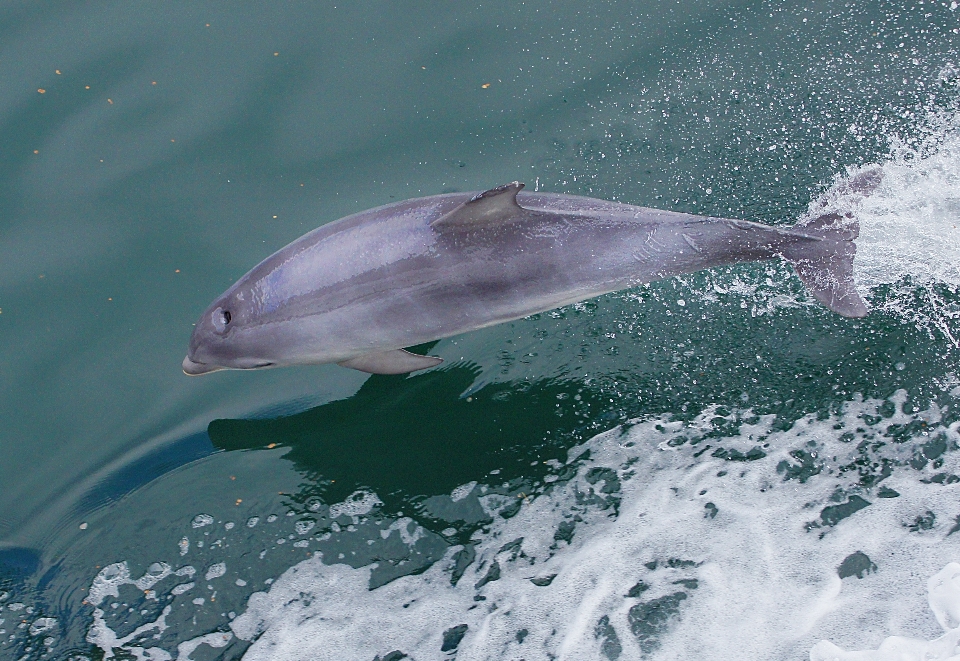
(391, 362)
(492, 207)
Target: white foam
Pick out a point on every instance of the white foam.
(746, 562)
(154, 574)
(944, 597)
(216, 570)
(910, 226)
(42, 625)
(356, 504)
(180, 589)
(201, 520)
(107, 640)
(402, 526)
(764, 566)
(462, 491)
(108, 583)
(215, 640)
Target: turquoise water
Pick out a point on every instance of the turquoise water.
(697, 464)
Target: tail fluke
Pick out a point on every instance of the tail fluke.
(823, 259)
(823, 253)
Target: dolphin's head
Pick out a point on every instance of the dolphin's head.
(227, 336)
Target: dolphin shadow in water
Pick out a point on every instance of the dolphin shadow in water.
(406, 437)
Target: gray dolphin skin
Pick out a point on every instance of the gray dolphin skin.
(358, 290)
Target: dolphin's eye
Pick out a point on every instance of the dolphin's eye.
(221, 320)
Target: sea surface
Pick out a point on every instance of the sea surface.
(708, 467)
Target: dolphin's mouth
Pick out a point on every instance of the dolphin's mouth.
(193, 368)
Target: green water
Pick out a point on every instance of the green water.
(152, 153)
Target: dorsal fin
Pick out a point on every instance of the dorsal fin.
(491, 207)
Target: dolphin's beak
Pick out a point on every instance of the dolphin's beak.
(191, 368)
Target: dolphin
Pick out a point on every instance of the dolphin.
(357, 290)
